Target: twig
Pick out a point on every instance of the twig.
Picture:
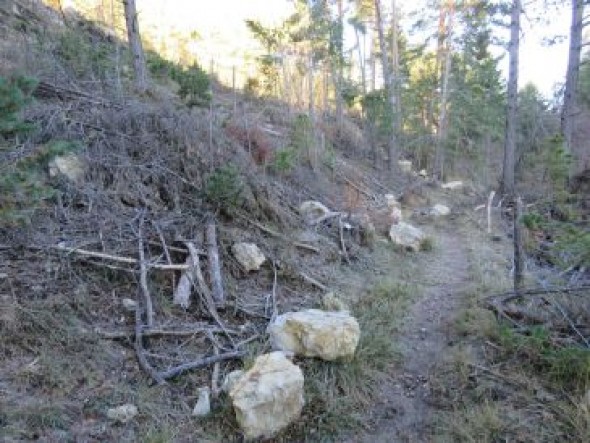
(342, 244)
(147, 299)
(204, 290)
(511, 295)
(156, 332)
(274, 294)
(163, 242)
(281, 236)
(313, 281)
(173, 372)
(138, 346)
(569, 320)
(489, 210)
(119, 259)
(213, 261)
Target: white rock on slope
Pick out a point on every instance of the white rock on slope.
(268, 397)
(249, 256)
(316, 333)
(406, 235)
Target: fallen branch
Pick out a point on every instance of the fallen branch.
(511, 295)
(281, 236)
(139, 351)
(213, 260)
(157, 332)
(119, 259)
(569, 320)
(313, 282)
(147, 299)
(173, 372)
(342, 244)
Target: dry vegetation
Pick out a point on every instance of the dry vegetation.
(157, 171)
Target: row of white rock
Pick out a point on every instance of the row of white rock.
(269, 396)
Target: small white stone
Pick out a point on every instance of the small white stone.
(203, 406)
(123, 413)
(249, 256)
(129, 304)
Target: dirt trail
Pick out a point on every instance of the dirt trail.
(405, 410)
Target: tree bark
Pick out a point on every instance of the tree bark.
(447, 29)
(572, 73)
(518, 248)
(512, 89)
(134, 37)
(388, 86)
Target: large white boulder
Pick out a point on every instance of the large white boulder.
(70, 166)
(316, 333)
(268, 397)
(248, 255)
(312, 210)
(406, 235)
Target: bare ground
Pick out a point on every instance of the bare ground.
(404, 412)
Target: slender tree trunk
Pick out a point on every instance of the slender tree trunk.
(339, 66)
(510, 134)
(396, 69)
(134, 37)
(446, 73)
(389, 87)
(573, 70)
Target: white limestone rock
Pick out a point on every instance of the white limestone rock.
(440, 210)
(312, 210)
(316, 333)
(203, 406)
(406, 235)
(70, 166)
(248, 255)
(123, 413)
(268, 397)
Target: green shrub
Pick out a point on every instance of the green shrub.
(85, 56)
(194, 85)
(15, 94)
(224, 187)
(25, 187)
(284, 160)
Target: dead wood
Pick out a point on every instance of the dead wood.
(173, 372)
(213, 260)
(158, 332)
(120, 259)
(281, 236)
(512, 295)
(313, 282)
(139, 350)
(146, 297)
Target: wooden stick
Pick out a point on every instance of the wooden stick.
(281, 236)
(156, 332)
(489, 210)
(139, 351)
(342, 244)
(313, 282)
(173, 372)
(511, 295)
(213, 260)
(147, 299)
(119, 259)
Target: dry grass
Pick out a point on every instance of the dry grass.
(501, 385)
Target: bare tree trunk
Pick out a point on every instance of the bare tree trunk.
(213, 260)
(573, 70)
(518, 248)
(396, 69)
(339, 66)
(510, 134)
(389, 87)
(446, 73)
(134, 37)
